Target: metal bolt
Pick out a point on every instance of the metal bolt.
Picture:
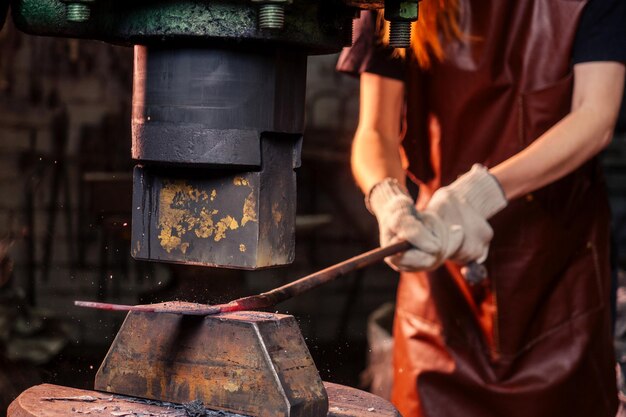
(356, 15)
(271, 16)
(78, 12)
(400, 34)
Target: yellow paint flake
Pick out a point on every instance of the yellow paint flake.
(240, 181)
(184, 209)
(249, 210)
(223, 225)
(195, 194)
(169, 242)
(242, 248)
(205, 224)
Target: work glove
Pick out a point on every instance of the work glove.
(469, 202)
(398, 219)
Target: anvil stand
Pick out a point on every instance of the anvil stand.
(249, 363)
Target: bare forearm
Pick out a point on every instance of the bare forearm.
(376, 146)
(574, 140)
(375, 158)
(584, 132)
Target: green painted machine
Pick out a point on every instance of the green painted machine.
(218, 112)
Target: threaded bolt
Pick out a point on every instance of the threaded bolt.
(400, 34)
(78, 12)
(271, 16)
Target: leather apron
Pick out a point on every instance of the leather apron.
(534, 340)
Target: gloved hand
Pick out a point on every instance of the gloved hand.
(398, 219)
(469, 202)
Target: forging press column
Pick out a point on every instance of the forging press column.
(218, 108)
(217, 133)
(217, 120)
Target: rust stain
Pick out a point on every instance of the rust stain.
(137, 248)
(276, 213)
(231, 386)
(183, 247)
(213, 195)
(242, 248)
(260, 370)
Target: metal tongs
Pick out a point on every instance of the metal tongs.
(474, 274)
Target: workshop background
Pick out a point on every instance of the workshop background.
(65, 202)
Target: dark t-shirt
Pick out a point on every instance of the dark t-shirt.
(601, 36)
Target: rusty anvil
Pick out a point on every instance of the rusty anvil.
(244, 362)
(250, 363)
(240, 361)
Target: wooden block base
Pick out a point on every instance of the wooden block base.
(57, 401)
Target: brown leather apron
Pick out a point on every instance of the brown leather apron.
(535, 340)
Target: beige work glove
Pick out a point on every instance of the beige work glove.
(398, 219)
(469, 202)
